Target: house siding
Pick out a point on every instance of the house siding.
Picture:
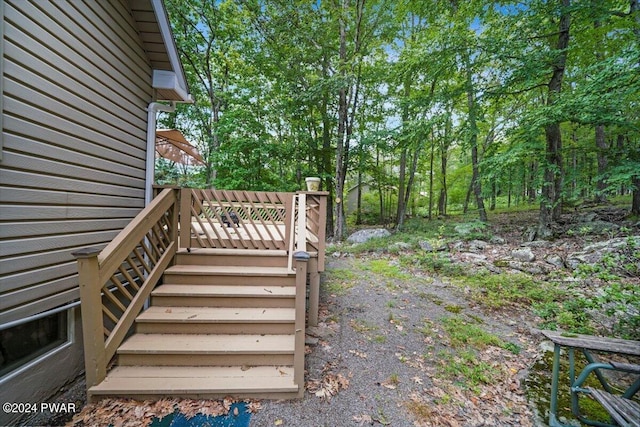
(76, 83)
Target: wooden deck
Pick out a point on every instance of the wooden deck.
(227, 301)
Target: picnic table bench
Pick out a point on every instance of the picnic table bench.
(624, 411)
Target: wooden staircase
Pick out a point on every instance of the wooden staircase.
(223, 322)
(227, 310)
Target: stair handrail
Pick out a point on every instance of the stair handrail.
(291, 231)
(116, 281)
(301, 231)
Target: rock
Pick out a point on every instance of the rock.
(555, 260)
(309, 340)
(362, 236)
(466, 228)
(524, 254)
(477, 245)
(530, 233)
(587, 217)
(322, 331)
(594, 227)
(425, 246)
(537, 244)
(594, 253)
(476, 258)
(401, 246)
(497, 240)
(525, 267)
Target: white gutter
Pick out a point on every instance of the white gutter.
(152, 109)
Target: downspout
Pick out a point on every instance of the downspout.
(152, 109)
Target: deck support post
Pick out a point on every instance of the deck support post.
(92, 322)
(301, 263)
(314, 291)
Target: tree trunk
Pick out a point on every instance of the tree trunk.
(340, 228)
(494, 190)
(476, 182)
(531, 188)
(400, 211)
(550, 204)
(442, 200)
(635, 181)
(326, 155)
(602, 147)
(359, 190)
(433, 143)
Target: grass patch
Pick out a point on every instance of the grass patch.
(455, 309)
(465, 369)
(435, 262)
(380, 339)
(501, 290)
(338, 281)
(462, 364)
(362, 326)
(462, 333)
(384, 268)
(422, 411)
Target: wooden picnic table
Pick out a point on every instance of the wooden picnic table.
(623, 410)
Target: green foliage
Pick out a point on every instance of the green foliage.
(502, 290)
(464, 333)
(422, 85)
(384, 268)
(339, 281)
(570, 315)
(615, 308)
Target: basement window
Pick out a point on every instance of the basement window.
(23, 343)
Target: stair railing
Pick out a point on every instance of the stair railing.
(116, 281)
(301, 260)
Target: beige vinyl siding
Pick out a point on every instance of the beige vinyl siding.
(76, 83)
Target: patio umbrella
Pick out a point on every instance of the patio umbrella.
(172, 145)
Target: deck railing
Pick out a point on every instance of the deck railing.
(235, 219)
(117, 280)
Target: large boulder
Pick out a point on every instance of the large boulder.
(523, 254)
(621, 247)
(594, 227)
(467, 228)
(362, 236)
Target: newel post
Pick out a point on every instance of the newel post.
(91, 307)
(301, 262)
(185, 218)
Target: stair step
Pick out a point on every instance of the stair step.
(229, 270)
(216, 320)
(234, 252)
(217, 314)
(224, 296)
(207, 344)
(229, 275)
(206, 350)
(239, 257)
(202, 382)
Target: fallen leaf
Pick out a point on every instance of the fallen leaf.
(363, 419)
(278, 422)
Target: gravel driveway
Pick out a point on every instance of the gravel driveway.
(374, 358)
